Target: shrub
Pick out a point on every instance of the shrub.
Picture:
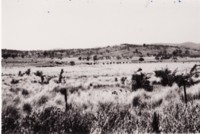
(14, 81)
(72, 63)
(141, 81)
(139, 102)
(53, 120)
(165, 75)
(141, 59)
(123, 79)
(28, 72)
(27, 108)
(38, 73)
(109, 118)
(168, 78)
(136, 101)
(25, 92)
(20, 74)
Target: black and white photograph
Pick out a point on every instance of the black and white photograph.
(100, 66)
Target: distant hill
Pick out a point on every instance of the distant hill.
(123, 51)
(190, 45)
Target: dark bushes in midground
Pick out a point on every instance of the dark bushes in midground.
(168, 78)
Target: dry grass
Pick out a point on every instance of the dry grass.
(98, 103)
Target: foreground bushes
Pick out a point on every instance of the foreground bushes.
(178, 118)
(10, 120)
(110, 118)
(51, 120)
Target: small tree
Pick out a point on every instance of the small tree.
(28, 72)
(40, 74)
(20, 74)
(88, 58)
(95, 58)
(141, 81)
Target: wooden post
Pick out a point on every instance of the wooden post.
(60, 76)
(185, 94)
(66, 104)
(64, 92)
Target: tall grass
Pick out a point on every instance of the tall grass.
(102, 108)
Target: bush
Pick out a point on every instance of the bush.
(27, 108)
(53, 120)
(136, 101)
(28, 72)
(72, 63)
(123, 79)
(20, 74)
(38, 73)
(25, 92)
(141, 81)
(110, 118)
(168, 78)
(141, 59)
(14, 81)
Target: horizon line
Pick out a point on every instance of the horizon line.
(52, 49)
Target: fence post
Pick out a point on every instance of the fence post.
(66, 104)
(185, 94)
(60, 76)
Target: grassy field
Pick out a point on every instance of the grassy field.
(97, 100)
(49, 62)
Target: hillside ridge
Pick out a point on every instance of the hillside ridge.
(123, 50)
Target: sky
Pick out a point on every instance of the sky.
(63, 24)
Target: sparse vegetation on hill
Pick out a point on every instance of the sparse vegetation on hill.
(123, 51)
